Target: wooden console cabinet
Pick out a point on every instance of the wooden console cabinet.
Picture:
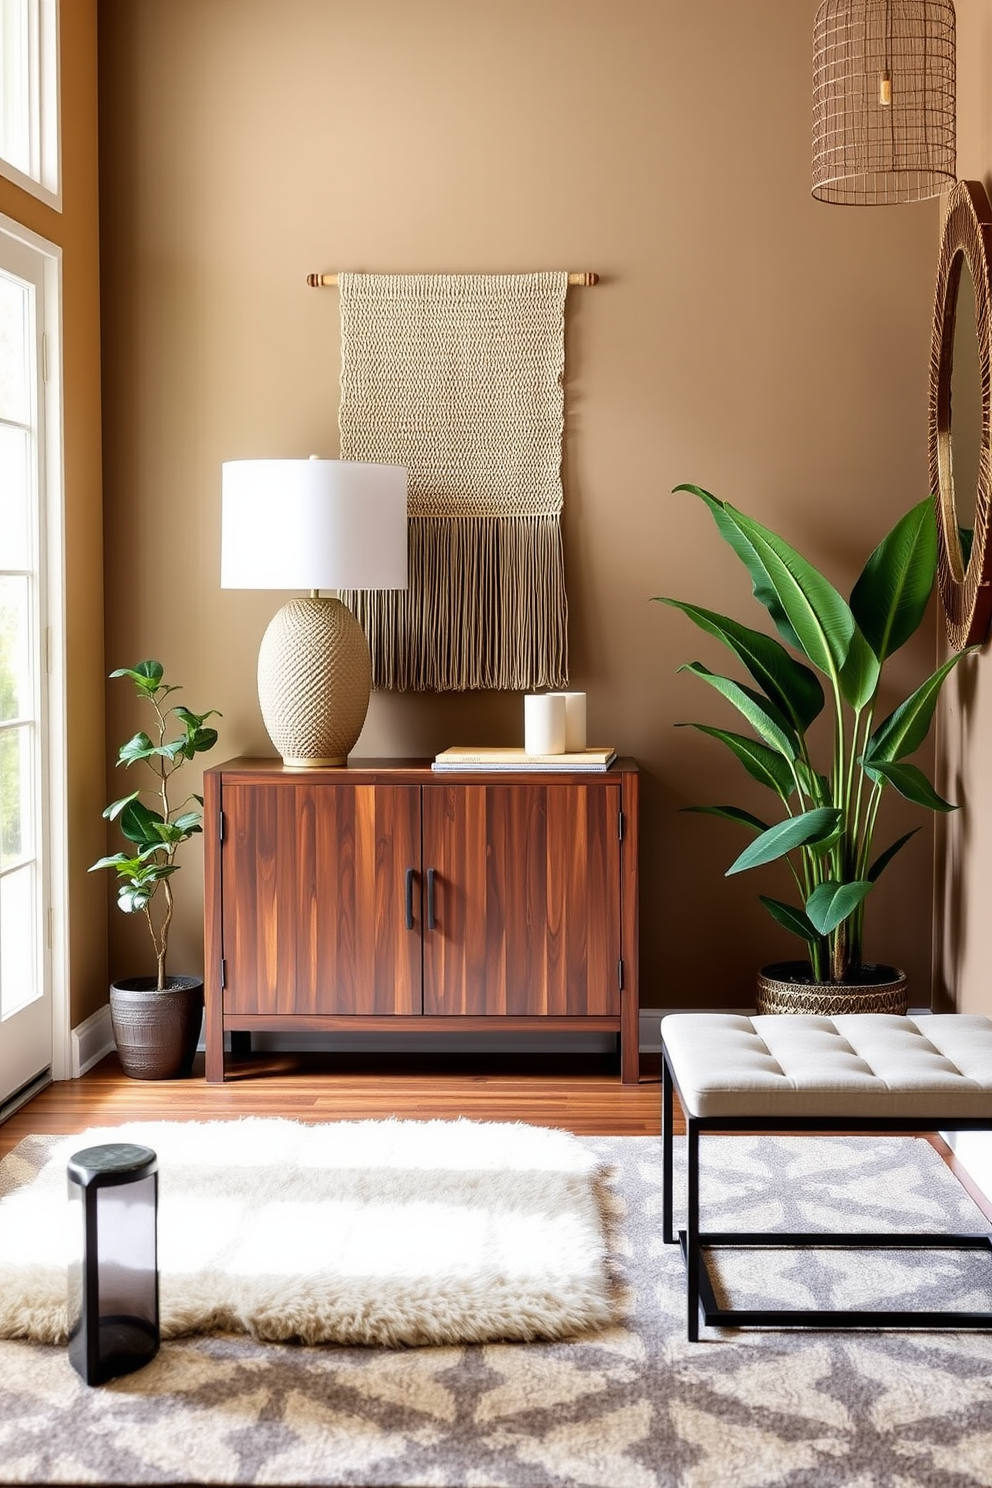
(386, 895)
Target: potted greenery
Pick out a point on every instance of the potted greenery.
(156, 1019)
(831, 809)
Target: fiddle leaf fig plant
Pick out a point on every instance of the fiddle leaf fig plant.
(156, 833)
(831, 806)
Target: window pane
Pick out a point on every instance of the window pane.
(19, 982)
(15, 74)
(16, 690)
(16, 814)
(16, 546)
(15, 402)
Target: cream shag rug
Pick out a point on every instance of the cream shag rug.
(360, 1232)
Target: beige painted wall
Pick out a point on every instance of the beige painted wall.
(964, 848)
(743, 336)
(75, 230)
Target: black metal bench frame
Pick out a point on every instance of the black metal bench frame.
(701, 1299)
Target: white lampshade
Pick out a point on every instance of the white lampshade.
(313, 524)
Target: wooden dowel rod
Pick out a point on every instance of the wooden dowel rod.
(318, 281)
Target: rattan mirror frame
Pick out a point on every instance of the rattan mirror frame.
(965, 589)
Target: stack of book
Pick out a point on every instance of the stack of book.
(465, 757)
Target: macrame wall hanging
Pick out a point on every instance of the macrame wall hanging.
(459, 378)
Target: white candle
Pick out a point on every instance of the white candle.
(544, 723)
(575, 721)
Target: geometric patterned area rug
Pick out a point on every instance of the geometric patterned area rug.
(631, 1405)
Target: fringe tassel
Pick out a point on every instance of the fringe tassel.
(485, 608)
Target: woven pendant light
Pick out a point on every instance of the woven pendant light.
(883, 101)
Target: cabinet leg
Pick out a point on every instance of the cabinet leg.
(630, 1061)
(214, 1062)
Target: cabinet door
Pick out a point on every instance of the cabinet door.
(314, 898)
(526, 899)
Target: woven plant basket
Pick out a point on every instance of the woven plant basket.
(786, 987)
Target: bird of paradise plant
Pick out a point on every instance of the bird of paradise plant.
(831, 814)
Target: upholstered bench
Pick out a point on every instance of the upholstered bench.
(862, 1072)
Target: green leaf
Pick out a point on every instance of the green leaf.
(832, 902)
(138, 824)
(202, 739)
(821, 849)
(817, 787)
(138, 747)
(116, 807)
(884, 859)
(860, 672)
(116, 860)
(767, 722)
(149, 856)
(789, 685)
(131, 899)
(150, 871)
(172, 749)
(790, 917)
(811, 826)
(189, 821)
(764, 765)
(817, 614)
(168, 834)
(806, 609)
(195, 720)
(910, 782)
(764, 591)
(891, 596)
(905, 729)
(734, 814)
(146, 675)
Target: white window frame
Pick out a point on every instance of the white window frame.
(43, 177)
(51, 576)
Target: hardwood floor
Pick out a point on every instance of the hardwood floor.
(579, 1093)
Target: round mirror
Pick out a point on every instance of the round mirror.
(966, 424)
(960, 454)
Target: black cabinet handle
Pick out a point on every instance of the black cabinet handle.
(409, 898)
(431, 921)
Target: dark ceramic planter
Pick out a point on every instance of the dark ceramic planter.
(156, 1032)
(788, 987)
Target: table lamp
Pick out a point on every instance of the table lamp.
(313, 524)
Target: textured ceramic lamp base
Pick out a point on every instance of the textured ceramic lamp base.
(314, 681)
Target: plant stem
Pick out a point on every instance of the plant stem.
(160, 938)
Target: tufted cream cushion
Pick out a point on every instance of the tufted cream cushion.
(936, 1067)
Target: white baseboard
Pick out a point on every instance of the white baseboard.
(93, 1038)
